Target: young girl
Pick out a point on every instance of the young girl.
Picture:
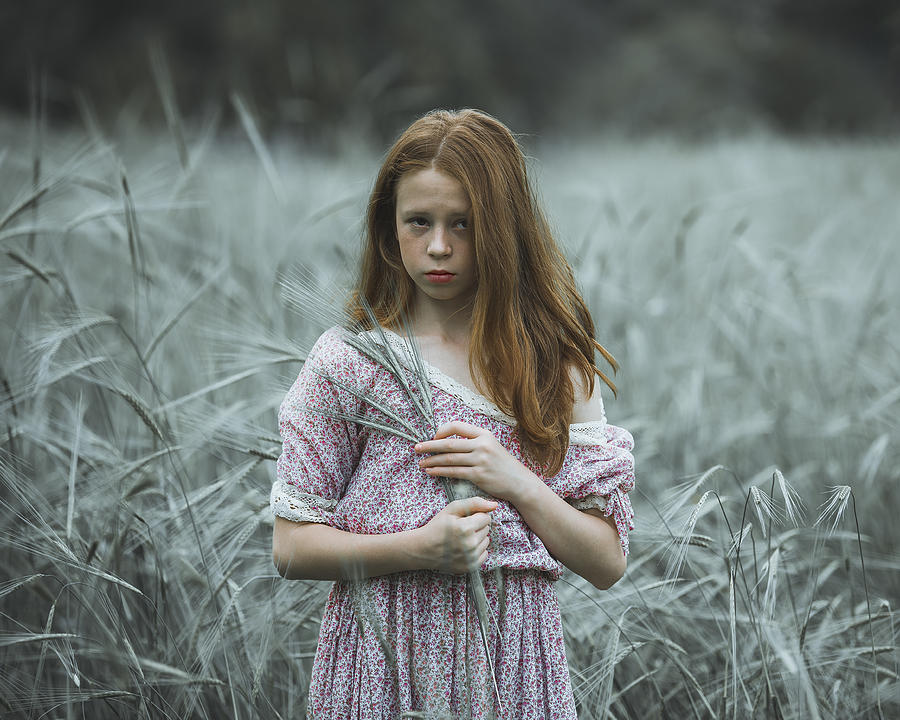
(456, 243)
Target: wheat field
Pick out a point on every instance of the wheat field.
(745, 286)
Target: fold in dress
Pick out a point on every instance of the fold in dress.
(411, 641)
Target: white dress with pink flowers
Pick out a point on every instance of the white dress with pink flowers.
(410, 641)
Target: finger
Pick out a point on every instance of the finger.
(483, 546)
(474, 553)
(447, 458)
(479, 522)
(480, 559)
(456, 472)
(484, 534)
(471, 506)
(447, 445)
(457, 427)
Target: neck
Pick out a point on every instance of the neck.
(438, 319)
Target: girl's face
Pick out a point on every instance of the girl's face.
(437, 247)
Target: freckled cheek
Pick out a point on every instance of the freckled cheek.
(407, 253)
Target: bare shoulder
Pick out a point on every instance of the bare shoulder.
(588, 408)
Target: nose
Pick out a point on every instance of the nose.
(438, 243)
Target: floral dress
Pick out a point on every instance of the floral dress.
(411, 641)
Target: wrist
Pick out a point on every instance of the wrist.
(420, 548)
(527, 491)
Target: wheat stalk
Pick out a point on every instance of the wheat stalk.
(793, 505)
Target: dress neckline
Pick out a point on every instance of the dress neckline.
(438, 378)
(581, 433)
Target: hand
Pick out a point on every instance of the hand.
(458, 535)
(477, 456)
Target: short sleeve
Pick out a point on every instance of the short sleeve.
(319, 453)
(599, 473)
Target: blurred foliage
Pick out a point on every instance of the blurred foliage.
(309, 67)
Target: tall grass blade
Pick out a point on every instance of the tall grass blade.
(862, 563)
(732, 624)
(259, 147)
(678, 548)
(166, 88)
(225, 382)
(77, 420)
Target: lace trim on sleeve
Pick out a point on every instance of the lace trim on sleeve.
(289, 502)
(588, 433)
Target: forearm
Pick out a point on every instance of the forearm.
(319, 552)
(586, 543)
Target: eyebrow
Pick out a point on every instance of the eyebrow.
(413, 211)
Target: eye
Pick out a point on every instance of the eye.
(461, 224)
(418, 222)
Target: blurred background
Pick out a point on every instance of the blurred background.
(574, 66)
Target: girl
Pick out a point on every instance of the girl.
(456, 243)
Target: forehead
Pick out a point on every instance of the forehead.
(433, 190)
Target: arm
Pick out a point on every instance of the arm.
(319, 552)
(454, 541)
(585, 542)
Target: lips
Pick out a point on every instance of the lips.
(439, 276)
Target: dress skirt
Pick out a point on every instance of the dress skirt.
(428, 620)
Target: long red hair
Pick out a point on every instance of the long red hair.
(530, 327)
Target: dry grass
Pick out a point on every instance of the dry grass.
(745, 286)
